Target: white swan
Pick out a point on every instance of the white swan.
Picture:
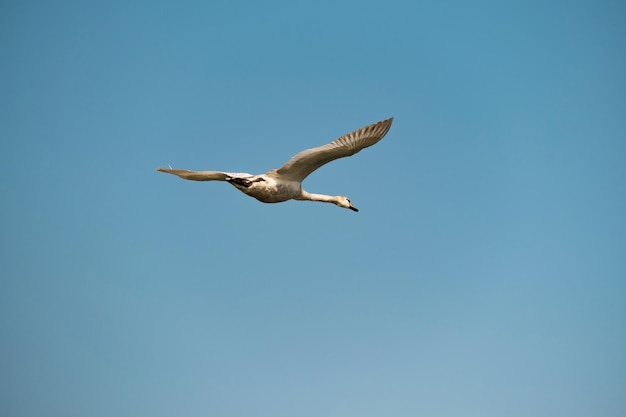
(285, 183)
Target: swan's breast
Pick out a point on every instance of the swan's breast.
(271, 190)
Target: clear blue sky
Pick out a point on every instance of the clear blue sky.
(485, 274)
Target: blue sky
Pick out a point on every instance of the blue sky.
(485, 274)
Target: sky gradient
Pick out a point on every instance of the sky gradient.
(484, 275)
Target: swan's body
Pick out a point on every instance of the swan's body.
(285, 183)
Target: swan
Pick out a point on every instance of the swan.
(285, 183)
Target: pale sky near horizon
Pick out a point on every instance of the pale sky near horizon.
(484, 275)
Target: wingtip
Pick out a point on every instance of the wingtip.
(385, 124)
(165, 169)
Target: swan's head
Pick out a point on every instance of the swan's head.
(345, 203)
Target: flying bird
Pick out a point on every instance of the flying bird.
(285, 183)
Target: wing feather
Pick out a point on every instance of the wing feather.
(201, 175)
(301, 165)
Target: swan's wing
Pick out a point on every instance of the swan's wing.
(301, 165)
(202, 175)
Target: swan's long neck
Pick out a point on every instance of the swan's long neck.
(318, 197)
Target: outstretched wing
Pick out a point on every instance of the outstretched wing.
(202, 175)
(300, 166)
